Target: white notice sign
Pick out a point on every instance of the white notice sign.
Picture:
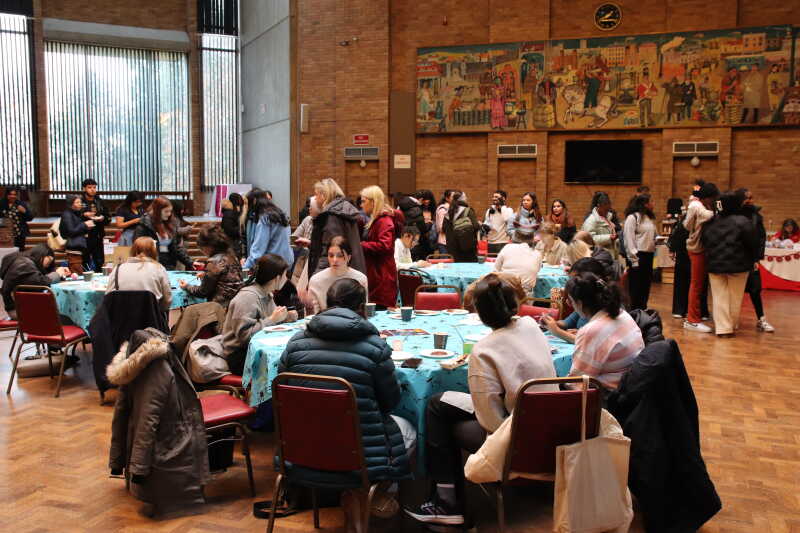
(402, 160)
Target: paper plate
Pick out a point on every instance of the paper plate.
(401, 356)
(396, 316)
(72, 283)
(437, 354)
(456, 311)
(279, 327)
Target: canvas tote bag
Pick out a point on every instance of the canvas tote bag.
(591, 489)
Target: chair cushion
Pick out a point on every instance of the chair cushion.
(221, 408)
(8, 324)
(71, 334)
(231, 380)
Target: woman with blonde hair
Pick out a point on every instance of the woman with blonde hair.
(378, 245)
(577, 249)
(142, 272)
(337, 217)
(552, 248)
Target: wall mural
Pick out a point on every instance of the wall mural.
(709, 78)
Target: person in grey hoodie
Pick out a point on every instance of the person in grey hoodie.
(253, 309)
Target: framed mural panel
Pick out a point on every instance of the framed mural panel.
(708, 78)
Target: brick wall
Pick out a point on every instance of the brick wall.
(161, 14)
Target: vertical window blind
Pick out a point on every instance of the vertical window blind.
(118, 115)
(220, 110)
(17, 104)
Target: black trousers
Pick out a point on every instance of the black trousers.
(639, 280)
(680, 288)
(450, 430)
(96, 252)
(753, 288)
(19, 242)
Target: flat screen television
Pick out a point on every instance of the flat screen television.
(603, 162)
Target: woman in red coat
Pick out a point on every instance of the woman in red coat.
(378, 244)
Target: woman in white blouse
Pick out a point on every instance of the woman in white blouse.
(639, 234)
(339, 255)
(520, 259)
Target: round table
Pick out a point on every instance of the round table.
(78, 300)
(462, 274)
(416, 385)
(780, 269)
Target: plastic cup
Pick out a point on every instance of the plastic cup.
(87, 276)
(468, 347)
(370, 309)
(405, 313)
(481, 259)
(440, 341)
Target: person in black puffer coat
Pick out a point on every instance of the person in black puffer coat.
(731, 245)
(649, 321)
(753, 286)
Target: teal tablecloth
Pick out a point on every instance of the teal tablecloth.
(79, 300)
(416, 385)
(462, 274)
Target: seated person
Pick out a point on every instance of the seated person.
(142, 272)
(513, 353)
(567, 328)
(339, 255)
(606, 347)
(222, 278)
(552, 248)
(789, 231)
(31, 267)
(521, 259)
(599, 253)
(402, 249)
(253, 309)
(341, 342)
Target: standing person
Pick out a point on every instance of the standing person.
(461, 227)
(128, 216)
(223, 274)
(267, 231)
(600, 225)
(753, 286)
(731, 245)
(640, 246)
(527, 219)
(339, 255)
(683, 269)
(495, 223)
(74, 228)
(234, 218)
(159, 224)
(19, 213)
(565, 224)
(95, 210)
(378, 246)
(253, 308)
(441, 213)
(426, 244)
(697, 214)
(337, 217)
(552, 248)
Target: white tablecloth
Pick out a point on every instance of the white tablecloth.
(783, 263)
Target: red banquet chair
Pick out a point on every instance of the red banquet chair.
(483, 247)
(223, 416)
(306, 416)
(437, 301)
(230, 382)
(11, 325)
(39, 323)
(439, 258)
(542, 421)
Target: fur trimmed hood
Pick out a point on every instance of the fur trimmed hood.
(125, 368)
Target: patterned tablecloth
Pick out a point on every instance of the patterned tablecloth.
(79, 299)
(462, 274)
(416, 385)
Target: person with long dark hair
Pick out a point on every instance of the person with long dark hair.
(600, 224)
(607, 345)
(160, 224)
(74, 228)
(234, 218)
(253, 309)
(640, 245)
(753, 286)
(223, 273)
(339, 256)
(441, 213)
(128, 216)
(514, 352)
(731, 245)
(698, 214)
(559, 215)
(267, 231)
(427, 234)
(527, 219)
(461, 228)
(19, 213)
(789, 231)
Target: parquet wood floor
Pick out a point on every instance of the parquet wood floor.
(53, 451)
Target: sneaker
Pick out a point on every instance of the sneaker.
(705, 318)
(384, 505)
(764, 326)
(700, 328)
(676, 315)
(436, 512)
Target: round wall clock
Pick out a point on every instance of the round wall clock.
(608, 16)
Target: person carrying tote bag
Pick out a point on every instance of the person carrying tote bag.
(591, 491)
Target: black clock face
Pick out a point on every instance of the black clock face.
(608, 16)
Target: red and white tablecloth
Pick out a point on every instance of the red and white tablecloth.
(780, 269)
(221, 192)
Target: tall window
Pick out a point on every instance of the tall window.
(220, 109)
(118, 115)
(17, 126)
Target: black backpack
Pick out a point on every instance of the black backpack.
(677, 239)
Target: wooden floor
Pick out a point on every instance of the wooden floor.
(53, 452)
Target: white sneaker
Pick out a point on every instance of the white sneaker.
(764, 326)
(700, 328)
(676, 315)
